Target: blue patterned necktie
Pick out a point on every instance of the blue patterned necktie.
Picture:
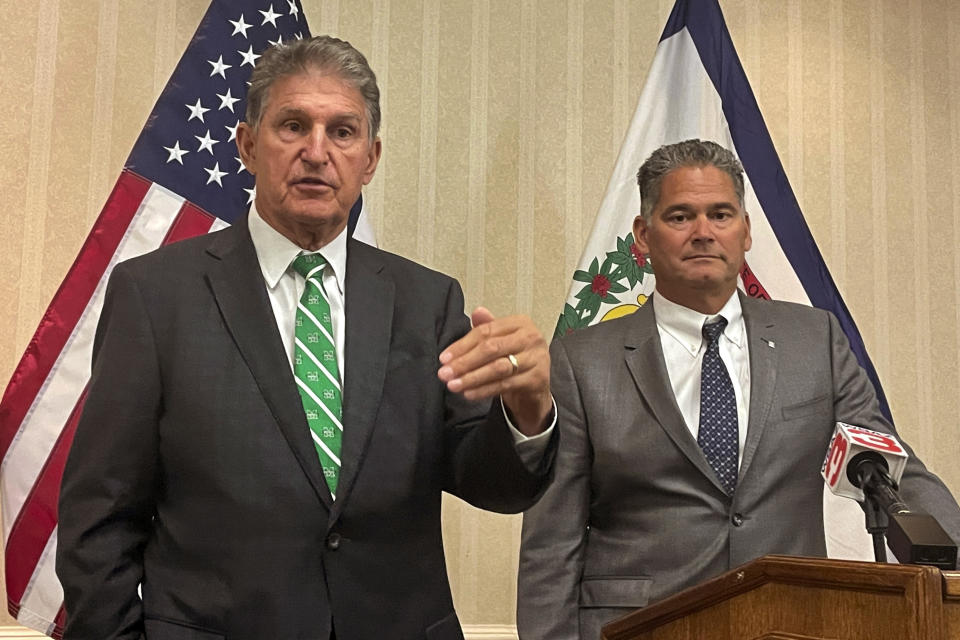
(718, 435)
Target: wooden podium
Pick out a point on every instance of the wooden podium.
(790, 598)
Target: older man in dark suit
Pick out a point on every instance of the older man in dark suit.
(276, 408)
(693, 431)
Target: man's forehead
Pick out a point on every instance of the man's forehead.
(699, 171)
(290, 88)
(693, 180)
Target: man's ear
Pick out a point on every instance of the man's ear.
(246, 146)
(373, 159)
(748, 241)
(640, 234)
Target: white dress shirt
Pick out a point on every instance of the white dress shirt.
(276, 253)
(681, 336)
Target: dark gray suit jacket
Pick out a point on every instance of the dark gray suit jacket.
(636, 513)
(193, 471)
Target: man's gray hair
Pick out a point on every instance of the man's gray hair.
(689, 153)
(323, 53)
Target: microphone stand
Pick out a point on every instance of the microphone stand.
(914, 537)
(876, 517)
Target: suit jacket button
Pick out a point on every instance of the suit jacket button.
(333, 541)
(737, 519)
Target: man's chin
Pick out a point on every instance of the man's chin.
(319, 216)
(712, 282)
(706, 272)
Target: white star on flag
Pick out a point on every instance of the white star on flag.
(219, 68)
(240, 162)
(269, 16)
(249, 57)
(176, 153)
(252, 193)
(196, 111)
(227, 100)
(278, 41)
(215, 174)
(206, 142)
(293, 8)
(232, 130)
(239, 26)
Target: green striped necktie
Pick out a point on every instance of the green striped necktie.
(315, 367)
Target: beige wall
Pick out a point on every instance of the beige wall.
(502, 120)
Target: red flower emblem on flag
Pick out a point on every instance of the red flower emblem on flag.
(600, 285)
(620, 272)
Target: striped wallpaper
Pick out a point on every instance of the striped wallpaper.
(502, 121)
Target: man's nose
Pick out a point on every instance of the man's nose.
(702, 229)
(316, 147)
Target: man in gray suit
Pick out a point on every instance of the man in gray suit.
(693, 431)
(275, 408)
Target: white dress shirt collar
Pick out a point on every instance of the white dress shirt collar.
(685, 325)
(276, 252)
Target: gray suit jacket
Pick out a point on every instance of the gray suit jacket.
(193, 471)
(636, 513)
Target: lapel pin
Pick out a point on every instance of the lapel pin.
(770, 343)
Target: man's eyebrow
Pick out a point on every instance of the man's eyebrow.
(723, 205)
(286, 112)
(688, 209)
(346, 116)
(684, 206)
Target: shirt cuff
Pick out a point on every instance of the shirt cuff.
(531, 448)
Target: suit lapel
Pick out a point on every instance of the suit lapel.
(237, 285)
(369, 322)
(644, 356)
(763, 375)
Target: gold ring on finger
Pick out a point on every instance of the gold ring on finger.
(513, 363)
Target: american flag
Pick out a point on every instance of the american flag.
(183, 178)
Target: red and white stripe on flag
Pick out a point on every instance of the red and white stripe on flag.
(42, 403)
(188, 144)
(696, 88)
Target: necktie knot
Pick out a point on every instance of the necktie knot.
(713, 331)
(307, 263)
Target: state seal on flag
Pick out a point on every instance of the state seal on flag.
(622, 274)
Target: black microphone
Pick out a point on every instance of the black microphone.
(869, 471)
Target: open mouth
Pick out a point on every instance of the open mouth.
(312, 182)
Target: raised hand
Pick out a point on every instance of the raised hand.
(506, 357)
